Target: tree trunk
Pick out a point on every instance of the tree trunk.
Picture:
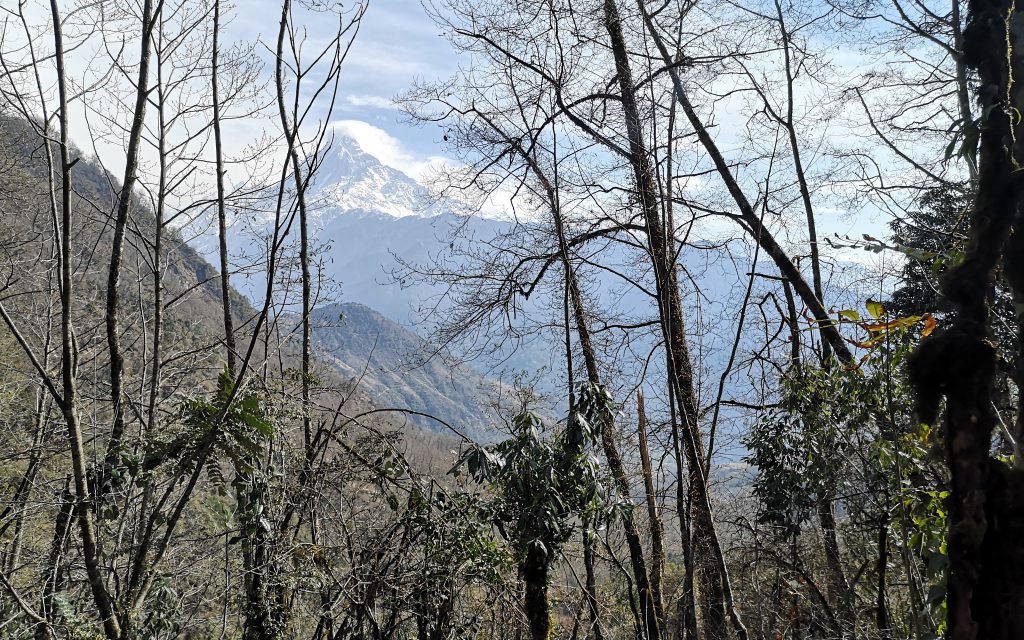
(225, 284)
(882, 568)
(649, 614)
(710, 560)
(789, 124)
(535, 592)
(54, 583)
(113, 297)
(985, 589)
(263, 618)
(998, 603)
(588, 563)
(839, 590)
(827, 326)
(653, 514)
(69, 358)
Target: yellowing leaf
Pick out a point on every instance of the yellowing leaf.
(875, 308)
(929, 325)
(898, 323)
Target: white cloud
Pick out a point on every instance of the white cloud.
(389, 149)
(502, 204)
(374, 102)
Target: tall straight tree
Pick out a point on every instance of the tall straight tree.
(716, 584)
(120, 226)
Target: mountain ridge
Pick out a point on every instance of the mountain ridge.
(401, 370)
(349, 179)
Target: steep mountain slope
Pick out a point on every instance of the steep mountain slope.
(191, 322)
(188, 280)
(350, 180)
(393, 365)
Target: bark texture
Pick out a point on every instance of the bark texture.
(986, 537)
(713, 583)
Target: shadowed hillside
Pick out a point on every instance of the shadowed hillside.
(398, 369)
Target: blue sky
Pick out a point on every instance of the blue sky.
(397, 44)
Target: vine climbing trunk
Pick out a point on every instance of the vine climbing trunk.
(985, 590)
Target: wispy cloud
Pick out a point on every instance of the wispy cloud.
(374, 102)
(388, 149)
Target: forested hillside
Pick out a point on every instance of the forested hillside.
(698, 320)
(401, 370)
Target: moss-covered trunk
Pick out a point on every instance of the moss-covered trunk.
(985, 592)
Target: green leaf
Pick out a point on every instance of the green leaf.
(950, 148)
(252, 415)
(849, 314)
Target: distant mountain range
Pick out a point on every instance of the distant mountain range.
(364, 215)
(368, 218)
(350, 180)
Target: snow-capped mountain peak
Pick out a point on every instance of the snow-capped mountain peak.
(350, 180)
